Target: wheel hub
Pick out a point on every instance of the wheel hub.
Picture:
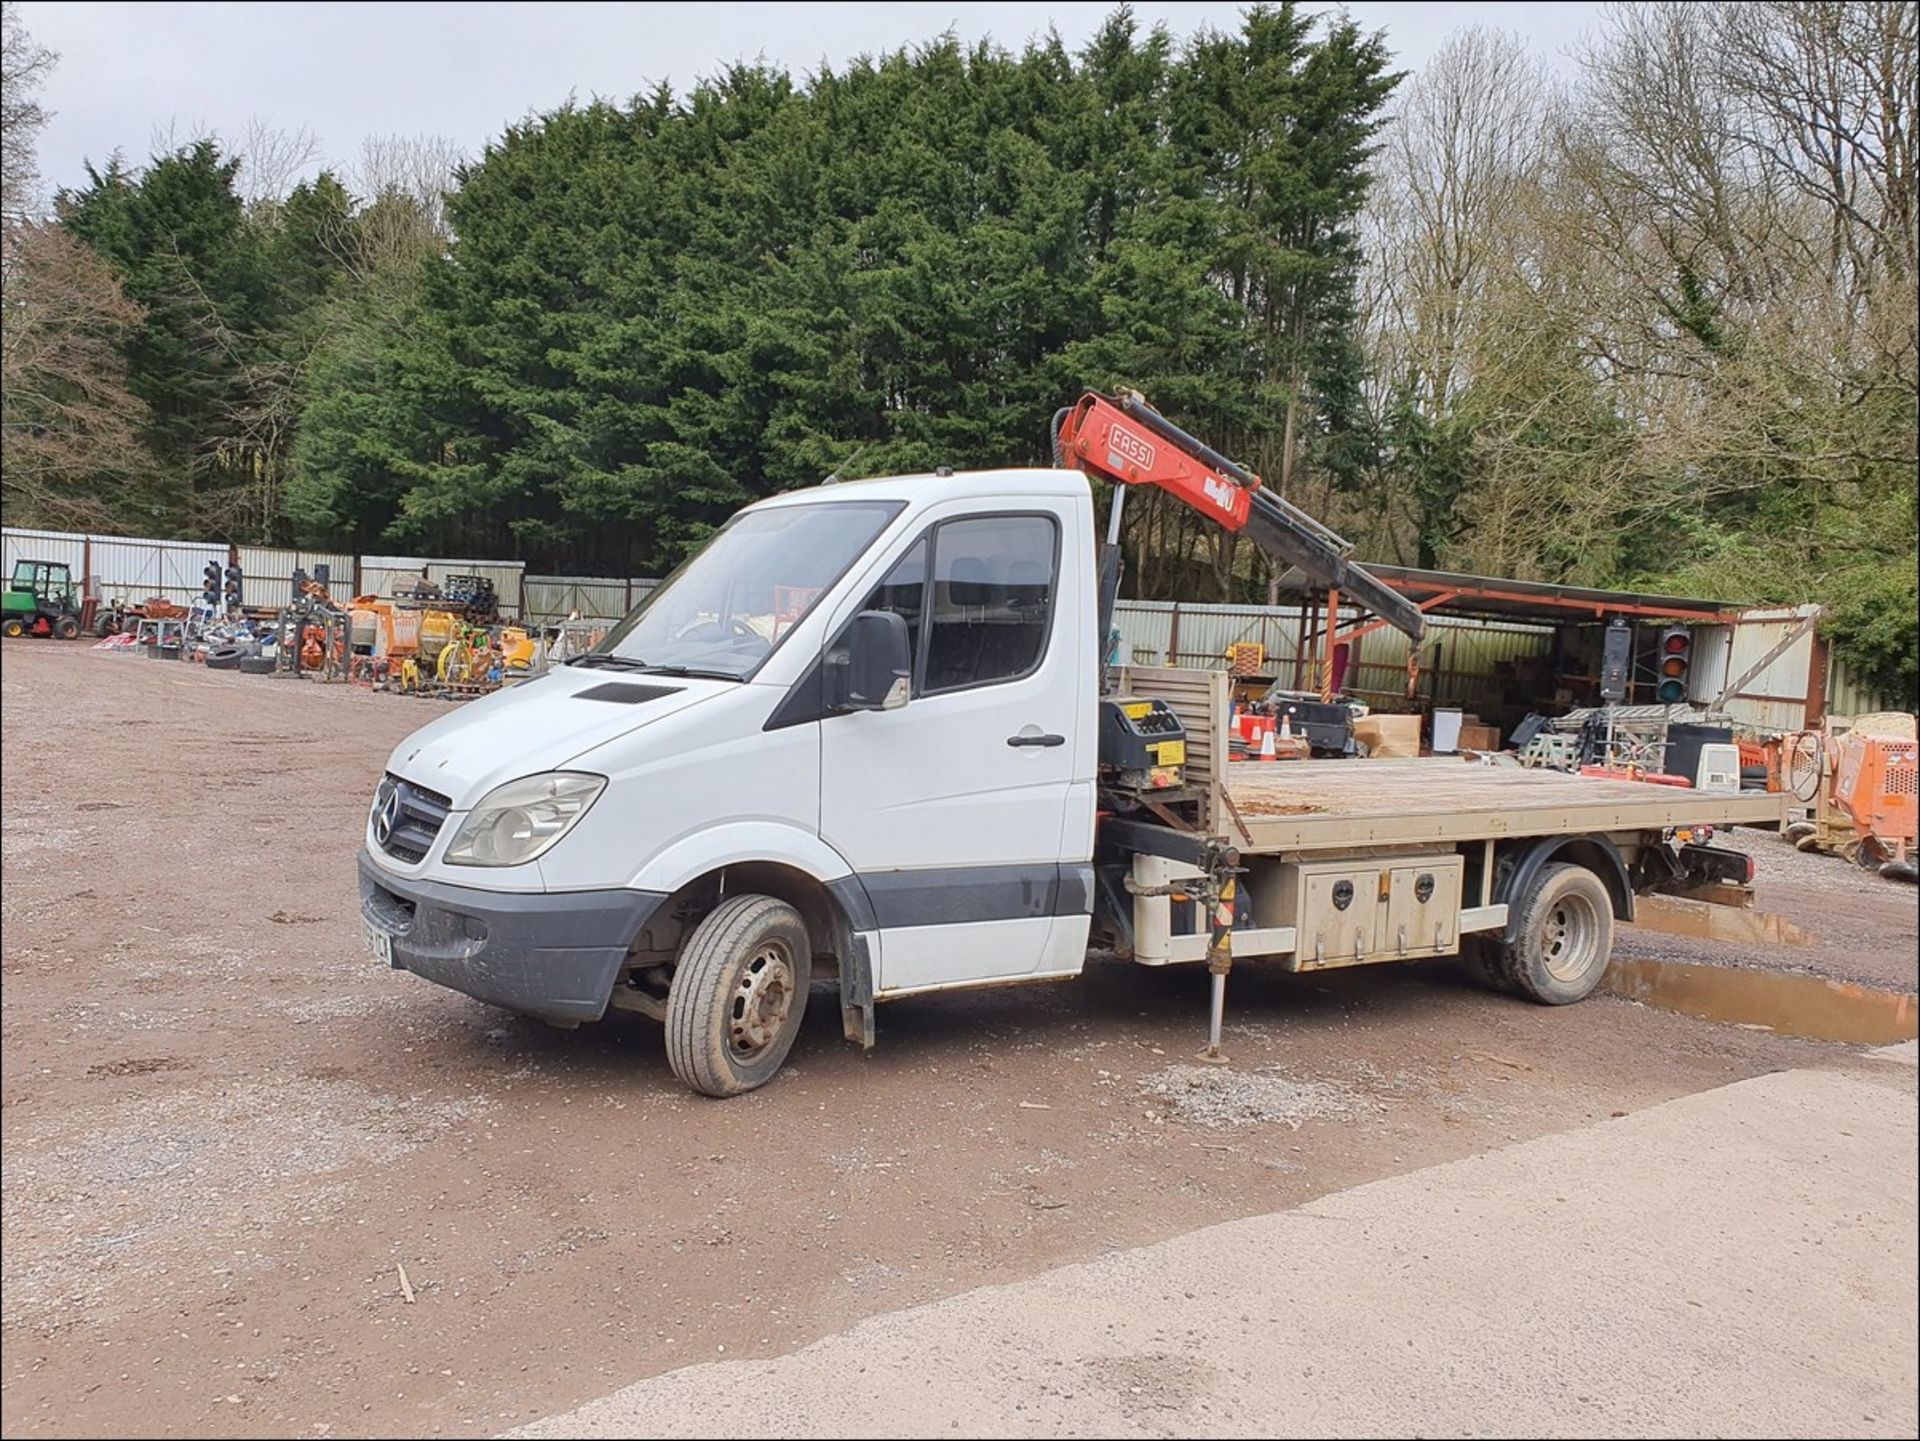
(1569, 938)
(762, 999)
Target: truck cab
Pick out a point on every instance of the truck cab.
(857, 729)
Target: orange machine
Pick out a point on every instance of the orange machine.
(1877, 787)
(1867, 806)
(382, 629)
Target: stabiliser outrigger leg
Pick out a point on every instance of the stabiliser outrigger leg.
(1218, 893)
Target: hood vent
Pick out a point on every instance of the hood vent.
(624, 693)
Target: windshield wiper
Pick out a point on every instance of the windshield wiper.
(623, 662)
(599, 658)
(689, 671)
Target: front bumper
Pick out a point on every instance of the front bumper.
(555, 956)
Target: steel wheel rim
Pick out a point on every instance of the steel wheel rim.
(1570, 937)
(762, 1001)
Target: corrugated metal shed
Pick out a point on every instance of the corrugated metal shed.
(1848, 695)
(1458, 661)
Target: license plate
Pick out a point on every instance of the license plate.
(379, 943)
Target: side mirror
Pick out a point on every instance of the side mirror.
(872, 666)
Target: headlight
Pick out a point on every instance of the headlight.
(521, 820)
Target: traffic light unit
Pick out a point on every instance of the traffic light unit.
(210, 585)
(1674, 662)
(1616, 660)
(233, 588)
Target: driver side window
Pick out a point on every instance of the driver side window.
(992, 582)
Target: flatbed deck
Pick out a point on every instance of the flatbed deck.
(1332, 804)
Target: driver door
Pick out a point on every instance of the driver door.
(953, 809)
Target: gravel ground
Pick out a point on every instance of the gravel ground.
(226, 1132)
(1215, 1096)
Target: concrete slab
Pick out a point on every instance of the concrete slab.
(1739, 1262)
(1907, 1053)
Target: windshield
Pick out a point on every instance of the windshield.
(743, 592)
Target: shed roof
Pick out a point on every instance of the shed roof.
(1442, 592)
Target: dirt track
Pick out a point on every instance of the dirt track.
(225, 1129)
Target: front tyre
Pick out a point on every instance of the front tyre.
(1563, 937)
(739, 990)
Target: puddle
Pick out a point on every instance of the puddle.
(1793, 1005)
(1676, 916)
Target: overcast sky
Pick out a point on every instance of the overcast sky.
(129, 72)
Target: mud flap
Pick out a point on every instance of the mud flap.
(856, 992)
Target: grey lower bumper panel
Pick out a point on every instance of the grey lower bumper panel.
(550, 955)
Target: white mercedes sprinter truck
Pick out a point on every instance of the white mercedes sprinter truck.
(862, 731)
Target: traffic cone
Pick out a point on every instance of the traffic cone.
(1266, 744)
(1286, 726)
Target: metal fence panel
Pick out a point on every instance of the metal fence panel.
(268, 572)
(505, 575)
(136, 568)
(59, 546)
(550, 598)
(1786, 677)
(382, 574)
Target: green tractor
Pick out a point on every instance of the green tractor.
(41, 600)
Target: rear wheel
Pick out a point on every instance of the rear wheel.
(13, 628)
(1563, 937)
(66, 627)
(738, 992)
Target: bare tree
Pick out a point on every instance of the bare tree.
(1826, 105)
(24, 67)
(68, 423)
(272, 161)
(1463, 152)
(402, 182)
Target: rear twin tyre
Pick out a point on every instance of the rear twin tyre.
(1563, 938)
(739, 990)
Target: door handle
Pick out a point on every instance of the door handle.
(1042, 740)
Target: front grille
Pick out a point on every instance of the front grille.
(417, 815)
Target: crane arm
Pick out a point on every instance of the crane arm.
(1124, 440)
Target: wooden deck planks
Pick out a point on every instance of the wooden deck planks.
(1309, 804)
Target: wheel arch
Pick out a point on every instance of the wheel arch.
(1522, 865)
(836, 912)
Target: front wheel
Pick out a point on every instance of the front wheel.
(66, 627)
(1563, 937)
(13, 629)
(738, 992)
